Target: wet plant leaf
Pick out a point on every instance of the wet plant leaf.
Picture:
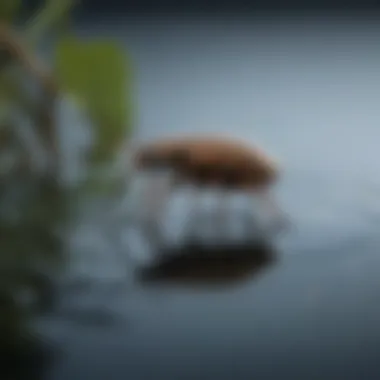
(97, 72)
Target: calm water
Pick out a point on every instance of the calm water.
(308, 91)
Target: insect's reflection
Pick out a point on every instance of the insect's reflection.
(194, 264)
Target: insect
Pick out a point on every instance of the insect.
(204, 162)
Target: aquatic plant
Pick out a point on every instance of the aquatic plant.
(35, 205)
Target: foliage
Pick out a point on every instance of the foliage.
(9, 9)
(53, 14)
(95, 72)
(33, 204)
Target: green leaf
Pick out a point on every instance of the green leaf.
(9, 9)
(97, 72)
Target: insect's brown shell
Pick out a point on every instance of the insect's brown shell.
(209, 159)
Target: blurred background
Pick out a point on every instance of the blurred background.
(300, 79)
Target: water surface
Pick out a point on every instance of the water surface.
(307, 90)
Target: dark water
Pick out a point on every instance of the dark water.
(308, 90)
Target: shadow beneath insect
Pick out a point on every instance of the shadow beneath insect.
(195, 265)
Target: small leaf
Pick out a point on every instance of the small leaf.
(97, 72)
